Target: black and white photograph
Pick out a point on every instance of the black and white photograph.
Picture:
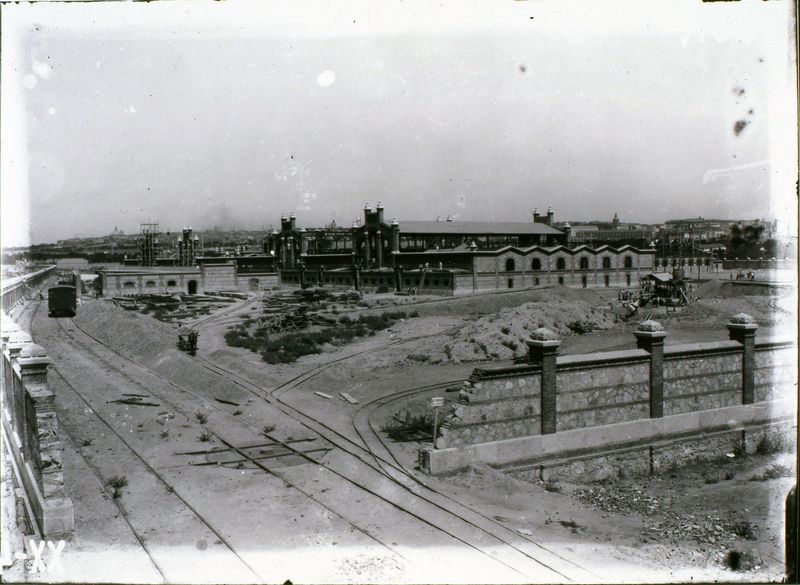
(399, 291)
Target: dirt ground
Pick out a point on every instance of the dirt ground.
(606, 529)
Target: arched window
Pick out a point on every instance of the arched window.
(561, 264)
(510, 265)
(584, 263)
(628, 261)
(150, 284)
(536, 264)
(172, 283)
(606, 262)
(129, 284)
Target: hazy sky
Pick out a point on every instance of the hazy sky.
(231, 113)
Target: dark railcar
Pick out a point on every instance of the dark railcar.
(62, 301)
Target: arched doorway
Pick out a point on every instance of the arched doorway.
(192, 287)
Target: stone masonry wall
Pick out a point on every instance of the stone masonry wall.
(602, 395)
(698, 381)
(494, 409)
(553, 394)
(774, 372)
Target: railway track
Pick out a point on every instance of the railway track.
(392, 469)
(362, 455)
(159, 477)
(228, 442)
(96, 472)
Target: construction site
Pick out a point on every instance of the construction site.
(176, 413)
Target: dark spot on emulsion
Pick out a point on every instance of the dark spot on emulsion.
(733, 559)
(522, 68)
(739, 126)
(750, 111)
(738, 90)
(202, 545)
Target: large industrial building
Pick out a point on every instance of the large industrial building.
(448, 257)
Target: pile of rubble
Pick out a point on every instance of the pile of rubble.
(705, 529)
(621, 499)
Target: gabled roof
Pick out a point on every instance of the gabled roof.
(477, 228)
(660, 276)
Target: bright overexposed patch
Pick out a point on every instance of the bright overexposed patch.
(42, 69)
(132, 110)
(326, 78)
(52, 111)
(29, 81)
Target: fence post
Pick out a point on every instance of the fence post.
(543, 350)
(742, 328)
(650, 337)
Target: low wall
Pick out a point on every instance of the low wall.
(30, 429)
(586, 453)
(591, 394)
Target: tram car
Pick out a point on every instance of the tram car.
(62, 300)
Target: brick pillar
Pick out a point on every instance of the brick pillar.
(742, 328)
(543, 350)
(650, 337)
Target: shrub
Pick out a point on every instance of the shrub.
(202, 418)
(117, 482)
(772, 443)
(267, 429)
(205, 436)
(288, 347)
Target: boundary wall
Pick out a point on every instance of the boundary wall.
(553, 408)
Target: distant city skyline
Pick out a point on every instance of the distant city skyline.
(230, 114)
